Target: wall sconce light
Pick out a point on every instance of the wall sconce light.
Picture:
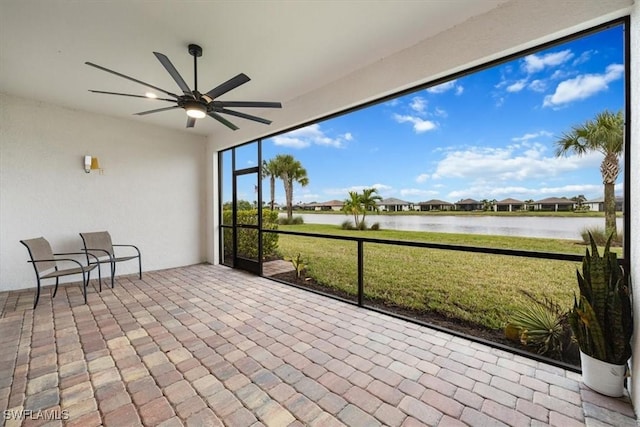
(91, 163)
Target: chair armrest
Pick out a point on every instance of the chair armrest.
(106, 252)
(79, 253)
(129, 246)
(60, 259)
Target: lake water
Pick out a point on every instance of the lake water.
(523, 226)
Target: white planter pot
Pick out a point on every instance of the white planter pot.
(605, 378)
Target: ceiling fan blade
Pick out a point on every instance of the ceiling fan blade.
(134, 96)
(131, 78)
(174, 73)
(243, 115)
(156, 111)
(224, 121)
(255, 104)
(191, 122)
(230, 84)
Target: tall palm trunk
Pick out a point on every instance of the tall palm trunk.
(610, 168)
(288, 191)
(272, 188)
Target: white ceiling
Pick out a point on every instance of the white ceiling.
(315, 56)
(288, 48)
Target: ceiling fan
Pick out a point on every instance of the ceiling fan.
(197, 105)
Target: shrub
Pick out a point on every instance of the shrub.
(247, 237)
(599, 236)
(296, 220)
(347, 225)
(298, 264)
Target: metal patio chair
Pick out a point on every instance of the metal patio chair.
(98, 245)
(45, 264)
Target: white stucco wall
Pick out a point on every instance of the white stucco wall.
(151, 194)
(635, 198)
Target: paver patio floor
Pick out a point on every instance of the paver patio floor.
(208, 345)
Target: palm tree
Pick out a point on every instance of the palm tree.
(271, 169)
(603, 134)
(353, 206)
(368, 200)
(291, 171)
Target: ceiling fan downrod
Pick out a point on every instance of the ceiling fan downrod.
(196, 52)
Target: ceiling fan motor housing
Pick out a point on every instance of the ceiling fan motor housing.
(195, 50)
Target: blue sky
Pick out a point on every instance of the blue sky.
(487, 135)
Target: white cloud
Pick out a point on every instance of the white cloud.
(288, 141)
(538, 85)
(528, 136)
(418, 104)
(415, 192)
(423, 177)
(312, 134)
(439, 112)
(447, 86)
(419, 125)
(534, 63)
(583, 86)
(381, 187)
(561, 74)
(508, 164)
(517, 86)
(584, 57)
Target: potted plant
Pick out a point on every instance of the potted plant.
(602, 321)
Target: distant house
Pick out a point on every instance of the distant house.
(331, 205)
(468, 205)
(597, 205)
(394, 205)
(509, 205)
(554, 204)
(436, 205)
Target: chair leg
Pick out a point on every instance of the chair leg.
(55, 291)
(88, 277)
(113, 274)
(35, 301)
(85, 283)
(140, 267)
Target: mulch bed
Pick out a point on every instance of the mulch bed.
(430, 317)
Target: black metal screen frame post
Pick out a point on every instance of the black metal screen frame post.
(259, 201)
(626, 211)
(361, 273)
(234, 201)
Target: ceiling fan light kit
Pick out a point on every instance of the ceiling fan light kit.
(195, 109)
(197, 105)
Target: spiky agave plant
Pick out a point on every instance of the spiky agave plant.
(539, 327)
(601, 319)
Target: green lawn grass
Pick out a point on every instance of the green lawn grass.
(480, 288)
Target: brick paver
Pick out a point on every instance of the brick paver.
(208, 345)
